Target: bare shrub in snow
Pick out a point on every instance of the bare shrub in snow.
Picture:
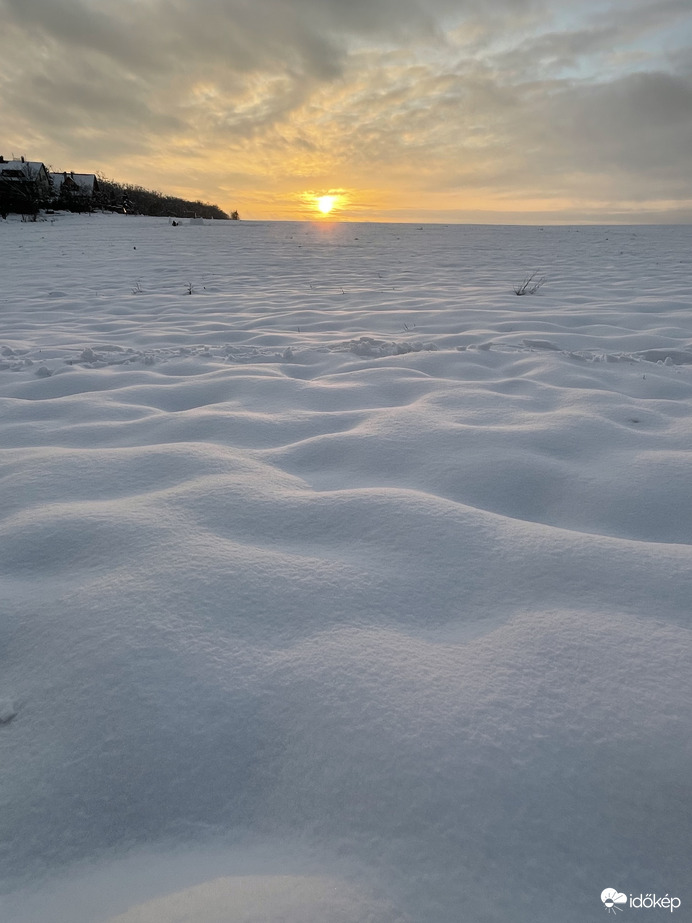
(529, 285)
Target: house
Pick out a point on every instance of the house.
(75, 191)
(24, 186)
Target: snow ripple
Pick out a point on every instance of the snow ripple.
(359, 595)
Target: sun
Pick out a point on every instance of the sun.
(326, 203)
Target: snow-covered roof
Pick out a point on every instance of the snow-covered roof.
(85, 182)
(21, 169)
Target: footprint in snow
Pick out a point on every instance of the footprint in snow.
(8, 711)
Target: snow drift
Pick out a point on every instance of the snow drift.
(338, 581)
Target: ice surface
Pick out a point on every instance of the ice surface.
(339, 582)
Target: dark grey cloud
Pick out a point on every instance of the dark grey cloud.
(71, 26)
(641, 123)
(310, 35)
(147, 51)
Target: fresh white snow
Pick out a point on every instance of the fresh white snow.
(338, 582)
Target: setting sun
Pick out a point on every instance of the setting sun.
(326, 203)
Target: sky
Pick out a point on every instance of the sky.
(488, 111)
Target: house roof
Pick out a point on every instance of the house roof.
(21, 170)
(86, 182)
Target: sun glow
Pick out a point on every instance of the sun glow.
(326, 203)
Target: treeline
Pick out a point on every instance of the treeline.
(132, 199)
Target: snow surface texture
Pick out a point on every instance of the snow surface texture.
(339, 582)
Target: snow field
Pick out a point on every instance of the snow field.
(349, 586)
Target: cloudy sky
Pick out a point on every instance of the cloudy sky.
(526, 111)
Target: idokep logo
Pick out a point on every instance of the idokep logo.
(612, 900)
